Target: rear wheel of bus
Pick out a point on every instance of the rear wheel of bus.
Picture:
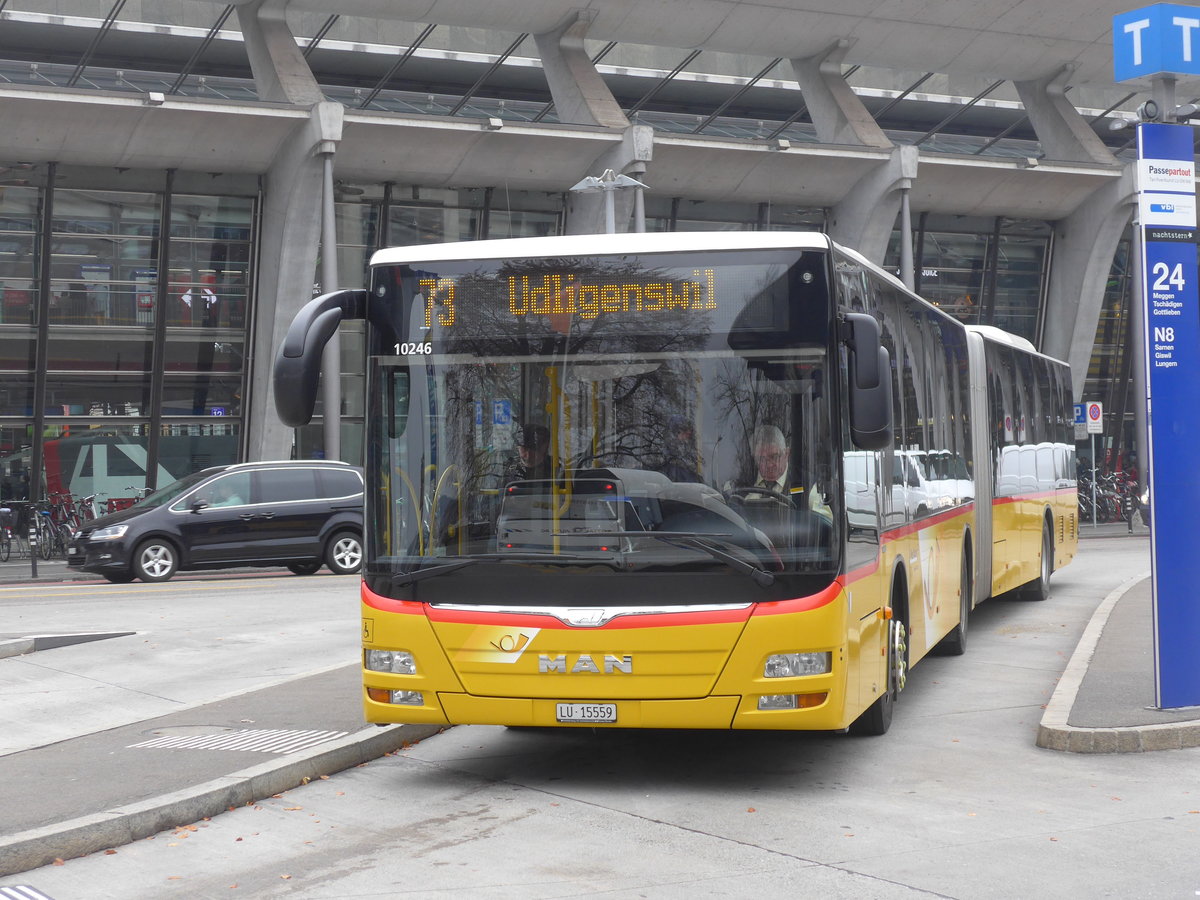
(1039, 588)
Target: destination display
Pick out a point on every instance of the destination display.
(685, 294)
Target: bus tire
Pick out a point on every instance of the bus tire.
(1039, 588)
(955, 643)
(877, 718)
(155, 560)
(344, 554)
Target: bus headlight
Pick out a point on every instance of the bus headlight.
(403, 698)
(397, 662)
(790, 665)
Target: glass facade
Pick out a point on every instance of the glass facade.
(143, 365)
(116, 372)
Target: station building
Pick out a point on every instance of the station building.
(168, 169)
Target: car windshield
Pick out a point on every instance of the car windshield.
(167, 494)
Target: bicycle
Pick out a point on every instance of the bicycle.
(52, 537)
(6, 537)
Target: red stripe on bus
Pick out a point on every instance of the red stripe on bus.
(949, 515)
(1016, 498)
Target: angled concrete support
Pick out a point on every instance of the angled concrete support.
(290, 237)
(580, 95)
(582, 98)
(836, 111)
(585, 212)
(281, 74)
(1063, 133)
(865, 217)
(1084, 245)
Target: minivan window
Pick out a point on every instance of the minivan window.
(228, 490)
(340, 483)
(165, 495)
(280, 485)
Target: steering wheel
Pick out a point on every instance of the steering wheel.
(739, 495)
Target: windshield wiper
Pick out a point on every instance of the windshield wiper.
(402, 578)
(702, 541)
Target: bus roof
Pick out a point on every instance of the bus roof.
(1000, 336)
(603, 244)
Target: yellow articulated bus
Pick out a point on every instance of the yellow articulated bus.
(681, 480)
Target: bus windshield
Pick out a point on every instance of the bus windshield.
(538, 458)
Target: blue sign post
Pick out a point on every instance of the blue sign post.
(1160, 42)
(1171, 303)
(1155, 40)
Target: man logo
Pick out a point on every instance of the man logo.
(585, 663)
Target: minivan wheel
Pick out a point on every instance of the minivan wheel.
(304, 568)
(155, 560)
(344, 555)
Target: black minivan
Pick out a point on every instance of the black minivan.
(299, 514)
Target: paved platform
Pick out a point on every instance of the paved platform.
(120, 792)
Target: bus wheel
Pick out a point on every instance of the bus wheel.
(1039, 588)
(155, 560)
(877, 718)
(955, 643)
(345, 553)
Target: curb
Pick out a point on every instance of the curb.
(1055, 734)
(124, 824)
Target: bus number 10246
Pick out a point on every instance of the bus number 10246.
(418, 348)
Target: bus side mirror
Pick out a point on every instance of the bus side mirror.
(870, 383)
(298, 363)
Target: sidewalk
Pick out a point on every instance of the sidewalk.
(1104, 702)
(202, 761)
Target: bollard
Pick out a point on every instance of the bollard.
(33, 550)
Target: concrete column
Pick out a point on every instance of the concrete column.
(582, 98)
(836, 111)
(287, 252)
(864, 219)
(1062, 131)
(1084, 245)
(586, 213)
(580, 95)
(281, 73)
(291, 230)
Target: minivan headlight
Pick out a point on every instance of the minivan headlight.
(109, 533)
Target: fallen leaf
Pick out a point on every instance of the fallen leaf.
(285, 877)
(292, 808)
(235, 840)
(751, 809)
(110, 852)
(59, 862)
(324, 777)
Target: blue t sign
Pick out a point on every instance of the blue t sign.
(1156, 39)
(1172, 342)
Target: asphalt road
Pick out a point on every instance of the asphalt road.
(955, 801)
